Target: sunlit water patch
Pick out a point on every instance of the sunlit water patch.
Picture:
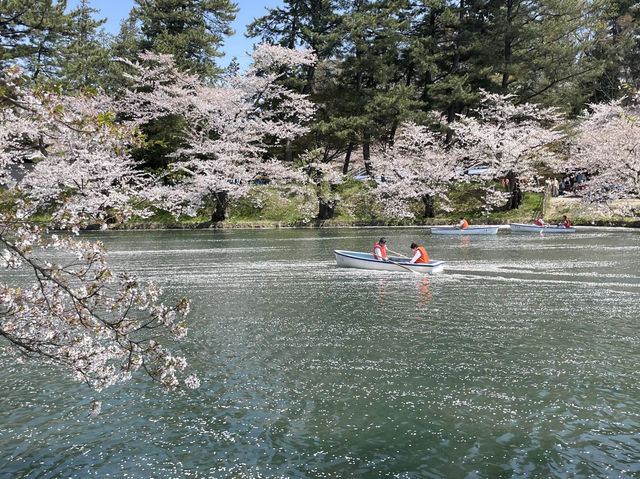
(519, 360)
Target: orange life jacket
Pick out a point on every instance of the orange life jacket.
(383, 249)
(465, 224)
(424, 257)
(540, 221)
(566, 223)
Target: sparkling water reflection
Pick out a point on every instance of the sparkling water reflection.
(520, 360)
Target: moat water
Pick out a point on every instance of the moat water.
(520, 360)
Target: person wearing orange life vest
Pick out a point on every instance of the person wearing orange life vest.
(540, 221)
(565, 223)
(380, 249)
(420, 254)
(463, 224)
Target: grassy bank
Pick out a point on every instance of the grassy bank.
(272, 208)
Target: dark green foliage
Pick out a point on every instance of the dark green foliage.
(163, 137)
(617, 49)
(544, 47)
(31, 32)
(192, 31)
(84, 56)
(311, 24)
(446, 59)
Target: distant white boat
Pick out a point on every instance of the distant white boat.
(355, 259)
(522, 228)
(472, 230)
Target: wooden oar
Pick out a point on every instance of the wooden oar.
(401, 265)
(396, 253)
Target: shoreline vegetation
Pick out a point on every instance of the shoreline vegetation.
(241, 218)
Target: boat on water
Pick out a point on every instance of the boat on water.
(472, 230)
(523, 228)
(355, 259)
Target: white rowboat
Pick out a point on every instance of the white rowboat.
(474, 230)
(355, 259)
(522, 228)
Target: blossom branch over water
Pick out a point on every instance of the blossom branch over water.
(66, 158)
(100, 324)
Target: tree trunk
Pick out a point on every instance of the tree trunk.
(453, 108)
(288, 152)
(507, 47)
(546, 197)
(326, 210)
(451, 116)
(347, 159)
(222, 202)
(428, 77)
(392, 133)
(429, 207)
(515, 192)
(311, 72)
(366, 153)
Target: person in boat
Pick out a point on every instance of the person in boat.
(540, 221)
(380, 249)
(420, 254)
(565, 223)
(463, 224)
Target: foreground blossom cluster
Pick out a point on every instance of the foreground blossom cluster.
(75, 311)
(83, 315)
(67, 158)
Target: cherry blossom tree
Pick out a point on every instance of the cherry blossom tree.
(101, 325)
(506, 140)
(417, 166)
(607, 149)
(229, 125)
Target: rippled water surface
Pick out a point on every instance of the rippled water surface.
(520, 360)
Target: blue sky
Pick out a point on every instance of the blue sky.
(237, 45)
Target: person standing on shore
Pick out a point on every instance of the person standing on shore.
(419, 254)
(380, 249)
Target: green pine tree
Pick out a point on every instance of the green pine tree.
(368, 96)
(541, 49)
(31, 33)
(193, 31)
(617, 47)
(85, 55)
(310, 24)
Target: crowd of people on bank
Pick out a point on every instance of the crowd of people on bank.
(567, 185)
(557, 187)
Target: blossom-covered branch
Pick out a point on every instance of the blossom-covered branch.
(66, 157)
(607, 150)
